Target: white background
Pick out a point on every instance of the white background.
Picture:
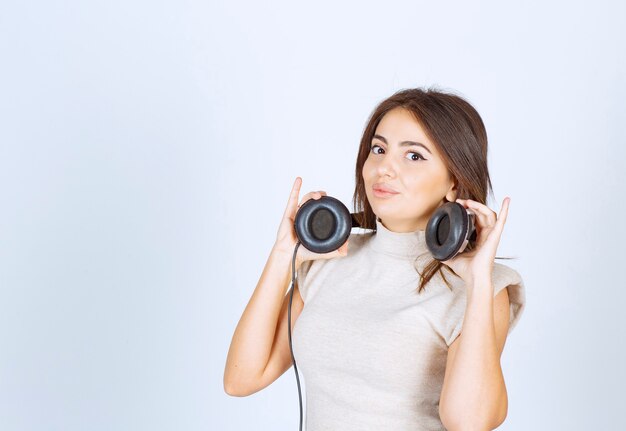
(147, 150)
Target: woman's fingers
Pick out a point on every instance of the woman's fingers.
(312, 195)
(484, 214)
(292, 202)
(504, 212)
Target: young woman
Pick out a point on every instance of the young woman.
(387, 337)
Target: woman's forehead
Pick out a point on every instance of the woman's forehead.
(399, 126)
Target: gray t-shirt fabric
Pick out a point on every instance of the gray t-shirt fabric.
(371, 350)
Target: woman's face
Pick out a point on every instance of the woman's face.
(417, 173)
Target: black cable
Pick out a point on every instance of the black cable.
(293, 359)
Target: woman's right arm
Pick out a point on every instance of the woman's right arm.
(256, 334)
(259, 352)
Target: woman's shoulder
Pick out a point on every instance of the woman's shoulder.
(504, 275)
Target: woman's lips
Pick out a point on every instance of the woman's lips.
(381, 193)
(384, 187)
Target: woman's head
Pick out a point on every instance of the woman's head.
(451, 164)
(402, 157)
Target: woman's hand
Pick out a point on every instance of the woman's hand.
(286, 238)
(478, 263)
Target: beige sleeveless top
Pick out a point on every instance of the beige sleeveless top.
(371, 350)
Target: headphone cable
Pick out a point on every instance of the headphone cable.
(293, 359)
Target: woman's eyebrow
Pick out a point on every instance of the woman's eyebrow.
(405, 143)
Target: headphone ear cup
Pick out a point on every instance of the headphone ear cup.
(449, 230)
(323, 225)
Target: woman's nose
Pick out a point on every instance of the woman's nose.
(387, 166)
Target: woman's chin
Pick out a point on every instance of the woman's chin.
(384, 210)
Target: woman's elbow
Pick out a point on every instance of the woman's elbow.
(234, 390)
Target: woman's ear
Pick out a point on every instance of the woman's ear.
(451, 196)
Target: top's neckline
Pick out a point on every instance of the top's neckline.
(405, 245)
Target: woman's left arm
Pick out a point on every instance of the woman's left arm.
(474, 393)
(473, 396)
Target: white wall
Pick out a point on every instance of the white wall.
(147, 150)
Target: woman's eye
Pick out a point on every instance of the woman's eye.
(374, 146)
(419, 156)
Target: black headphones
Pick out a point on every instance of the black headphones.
(323, 225)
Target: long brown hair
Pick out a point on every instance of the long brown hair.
(458, 132)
